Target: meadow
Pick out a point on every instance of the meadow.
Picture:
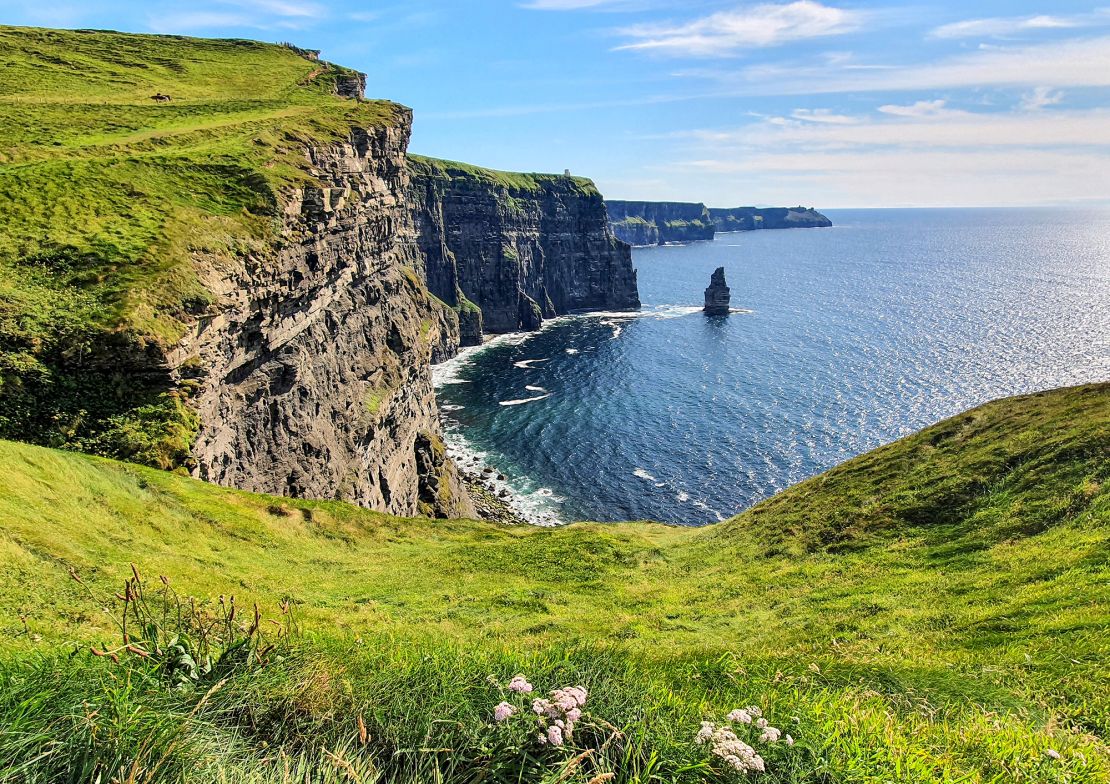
(935, 610)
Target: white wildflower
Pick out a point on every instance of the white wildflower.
(520, 685)
(1052, 753)
(503, 711)
(756, 763)
(754, 710)
(789, 741)
(761, 723)
(740, 715)
(705, 733)
(770, 735)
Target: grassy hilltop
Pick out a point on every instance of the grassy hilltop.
(113, 205)
(935, 610)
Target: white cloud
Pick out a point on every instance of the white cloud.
(728, 32)
(930, 155)
(1077, 62)
(1001, 26)
(822, 116)
(935, 127)
(1040, 98)
(934, 109)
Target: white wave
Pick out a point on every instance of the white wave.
(524, 400)
(682, 497)
(451, 407)
(534, 389)
(616, 332)
(642, 474)
(527, 363)
(572, 351)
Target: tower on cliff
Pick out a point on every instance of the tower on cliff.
(717, 296)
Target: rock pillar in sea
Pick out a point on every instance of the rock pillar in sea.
(717, 296)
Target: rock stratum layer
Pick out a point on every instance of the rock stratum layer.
(316, 368)
(646, 223)
(508, 250)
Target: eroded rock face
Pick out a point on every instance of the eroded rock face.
(508, 251)
(642, 223)
(717, 296)
(316, 367)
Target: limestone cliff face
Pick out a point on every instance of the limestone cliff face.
(751, 218)
(507, 251)
(314, 368)
(659, 222)
(642, 223)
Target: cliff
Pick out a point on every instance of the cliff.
(751, 218)
(642, 223)
(226, 286)
(508, 250)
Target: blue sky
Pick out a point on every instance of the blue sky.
(822, 102)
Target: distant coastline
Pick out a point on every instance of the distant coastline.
(648, 223)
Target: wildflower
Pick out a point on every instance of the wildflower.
(574, 715)
(555, 735)
(756, 763)
(1052, 753)
(503, 711)
(541, 739)
(761, 723)
(740, 715)
(754, 710)
(705, 733)
(541, 706)
(789, 741)
(520, 685)
(770, 735)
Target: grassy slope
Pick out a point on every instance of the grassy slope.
(109, 200)
(935, 610)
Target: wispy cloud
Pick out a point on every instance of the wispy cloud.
(729, 32)
(919, 154)
(934, 128)
(826, 116)
(1039, 98)
(921, 109)
(253, 14)
(1001, 26)
(1077, 62)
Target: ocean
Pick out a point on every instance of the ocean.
(850, 337)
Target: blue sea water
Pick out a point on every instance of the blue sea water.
(853, 336)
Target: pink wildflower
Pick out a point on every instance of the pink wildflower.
(520, 685)
(555, 735)
(503, 711)
(540, 706)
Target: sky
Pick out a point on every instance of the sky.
(816, 102)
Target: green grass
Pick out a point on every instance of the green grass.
(114, 206)
(510, 182)
(935, 610)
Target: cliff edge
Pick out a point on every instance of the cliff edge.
(508, 250)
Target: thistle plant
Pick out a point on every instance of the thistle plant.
(190, 642)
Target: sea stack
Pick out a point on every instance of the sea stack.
(717, 296)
